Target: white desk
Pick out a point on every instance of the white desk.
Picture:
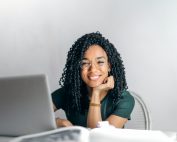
(130, 135)
(171, 135)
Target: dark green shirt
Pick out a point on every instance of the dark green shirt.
(123, 107)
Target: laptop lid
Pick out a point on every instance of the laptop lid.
(25, 105)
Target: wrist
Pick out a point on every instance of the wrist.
(95, 104)
(95, 98)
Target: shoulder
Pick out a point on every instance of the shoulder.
(127, 97)
(126, 101)
(59, 98)
(124, 105)
(58, 91)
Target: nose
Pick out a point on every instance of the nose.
(92, 67)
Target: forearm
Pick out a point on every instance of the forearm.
(94, 113)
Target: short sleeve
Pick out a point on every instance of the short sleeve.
(58, 98)
(125, 105)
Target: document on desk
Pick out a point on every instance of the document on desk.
(128, 135)
(64, 134)
(106, 134)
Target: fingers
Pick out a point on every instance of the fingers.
(63, 122)
(67, 123)
(105, 80)
(111, 82)
(108, 83)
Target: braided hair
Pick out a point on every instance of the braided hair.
(71, 79)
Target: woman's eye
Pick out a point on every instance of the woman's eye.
(84, 64)
(100, 62)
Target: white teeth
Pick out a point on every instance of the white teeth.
(94, 77)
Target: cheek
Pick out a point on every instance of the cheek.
(105, 70)
(83, 74)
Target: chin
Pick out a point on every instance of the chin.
(93, 85)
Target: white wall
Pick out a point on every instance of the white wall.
(35, 36)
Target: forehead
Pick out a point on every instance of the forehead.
(95, 51)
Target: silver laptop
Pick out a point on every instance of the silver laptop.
(25, 105)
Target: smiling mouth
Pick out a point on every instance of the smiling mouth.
(94, 77)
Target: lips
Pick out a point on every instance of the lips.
(95, 77)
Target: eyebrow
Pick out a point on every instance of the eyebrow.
(101, 57)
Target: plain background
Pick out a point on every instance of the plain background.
(35, 36)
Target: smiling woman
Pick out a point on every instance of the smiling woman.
(95, 66)
(93, 85)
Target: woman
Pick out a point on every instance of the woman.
(93, 85)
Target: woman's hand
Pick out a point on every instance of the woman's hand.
(107, 84)
(63, 122)
(98, 93)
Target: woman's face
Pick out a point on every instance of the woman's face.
(94, 66)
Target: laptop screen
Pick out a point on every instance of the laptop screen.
(25, 105)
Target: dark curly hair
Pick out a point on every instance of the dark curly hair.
(71, 79)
